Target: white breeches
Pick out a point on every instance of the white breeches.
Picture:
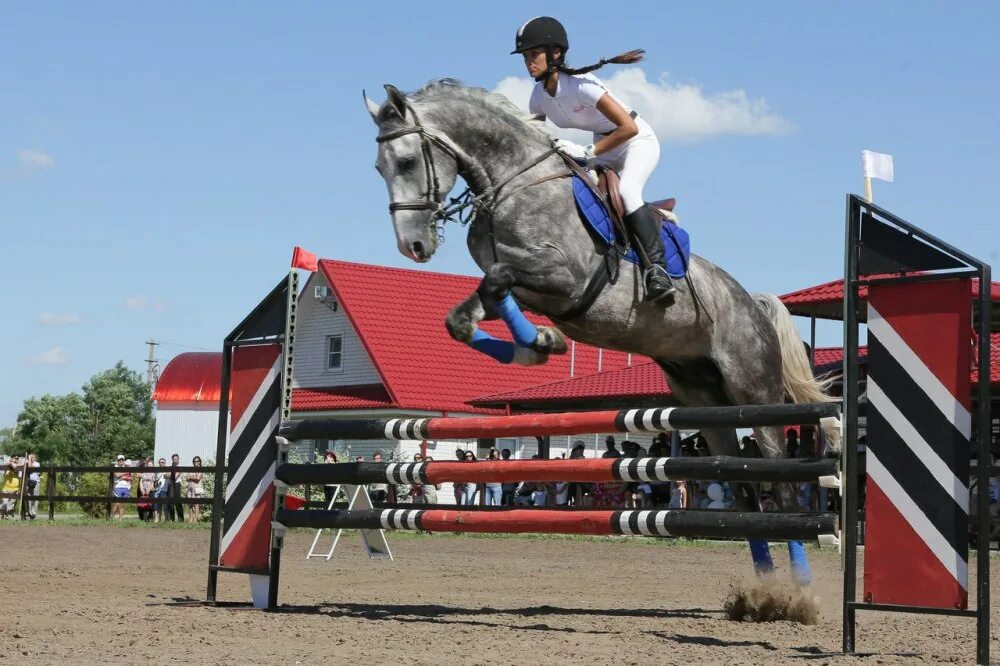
(634, 161)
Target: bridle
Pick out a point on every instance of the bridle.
(432, 196)
(433, 200)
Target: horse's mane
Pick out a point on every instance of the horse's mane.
(495, 104)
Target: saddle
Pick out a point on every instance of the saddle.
(601, 210)
(607, 190)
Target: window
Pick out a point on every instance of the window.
(334, 352)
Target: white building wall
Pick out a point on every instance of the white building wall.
(188, 429)
(317, 321)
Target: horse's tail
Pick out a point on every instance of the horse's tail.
(801, 385)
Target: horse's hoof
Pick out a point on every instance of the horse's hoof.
(549, 341)
(527, 357)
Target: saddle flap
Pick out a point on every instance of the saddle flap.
(608, 182)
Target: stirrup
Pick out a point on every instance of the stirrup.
(667, 293)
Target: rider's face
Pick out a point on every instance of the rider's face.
(534, 60)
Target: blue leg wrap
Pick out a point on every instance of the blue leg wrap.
(497, 349)
(524, 331)
(761, 552)
(801, 573)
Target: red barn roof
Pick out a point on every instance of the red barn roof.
(641, 380)
(399, 316)
(826, 300)
(363, 396)
(190, 377)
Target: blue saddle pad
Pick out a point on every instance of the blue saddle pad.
(676, 243)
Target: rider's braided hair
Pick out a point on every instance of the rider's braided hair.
(626, 58)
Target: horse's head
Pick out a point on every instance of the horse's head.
(419, 167)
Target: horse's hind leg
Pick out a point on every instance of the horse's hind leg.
(756, 380)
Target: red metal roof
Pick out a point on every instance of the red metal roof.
(645, 380)
(362, 396)
(833, 292)
(994, 361)
(399, 316)
(190, 377)
(640, 380)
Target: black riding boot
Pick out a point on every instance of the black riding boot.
(645, 228)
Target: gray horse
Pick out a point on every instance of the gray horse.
(717, 344)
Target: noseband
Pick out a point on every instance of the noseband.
(432, 196)
(433, 199)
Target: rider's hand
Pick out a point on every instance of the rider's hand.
(576, 152)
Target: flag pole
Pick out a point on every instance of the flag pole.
(868, 189)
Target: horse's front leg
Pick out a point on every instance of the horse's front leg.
(495, 294)
(462, 323)
(531, 345)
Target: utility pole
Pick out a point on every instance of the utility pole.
(152, 363)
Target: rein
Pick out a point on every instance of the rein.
(433, 201)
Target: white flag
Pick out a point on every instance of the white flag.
(876, 165)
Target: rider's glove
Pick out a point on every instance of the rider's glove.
(582, 154)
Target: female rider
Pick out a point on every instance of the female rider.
(623, 140)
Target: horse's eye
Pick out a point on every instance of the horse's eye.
(407, 163)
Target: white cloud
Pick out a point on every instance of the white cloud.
(142, 302)
(680, 112)
(35, 159)
(54, 356)
(54, 319)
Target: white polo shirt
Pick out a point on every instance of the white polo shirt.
(575, 103)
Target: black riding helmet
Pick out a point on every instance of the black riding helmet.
(543, 31)
(540, 31)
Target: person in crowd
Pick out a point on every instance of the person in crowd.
(493, 491)
(660, 490)
(431, 489)
(122, 486)
(147, 485)
(329, 458)
(161, 490)
(379, 491)
(611, 452)
(34, 485)
(701, 446)
(767, 502)
(507, 490)
(416, 493)
(195, 490)
(679, 496)
(459, 488)
(792, 443)
(471, 489)
(579, 493)
(642, 497)
(359, 459)
(560, 495)
(11, 484)
(174, 508)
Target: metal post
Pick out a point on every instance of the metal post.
(50, 490)
(218, 504)
(849, 472)
(984, 427)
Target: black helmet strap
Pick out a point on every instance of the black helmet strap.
(551, 65)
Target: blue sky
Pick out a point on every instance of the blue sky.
(157, 164)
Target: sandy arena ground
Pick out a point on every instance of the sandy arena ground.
(87, 595)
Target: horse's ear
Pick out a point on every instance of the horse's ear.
(397, 100)
(372, 107)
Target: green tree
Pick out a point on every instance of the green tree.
(51, 426)
(113, 415)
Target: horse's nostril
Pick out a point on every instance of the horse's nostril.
(418, 248)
